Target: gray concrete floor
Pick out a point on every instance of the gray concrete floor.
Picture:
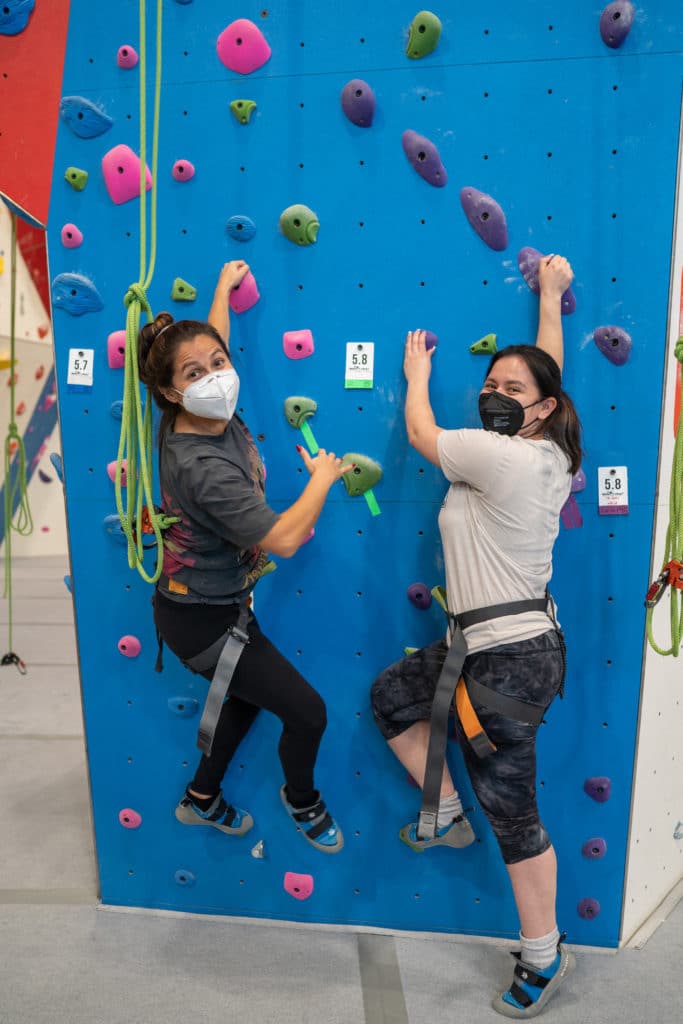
(66, 960)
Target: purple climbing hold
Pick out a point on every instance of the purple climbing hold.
(358, 102)
(44, 477)
(570, 514)
(599, 788)
(614, 343)
(527, 259)
(594, 849)
(431, 340)
(486, 217)
(424, 156)
(588, 908)
(420, 595)
(615, 23)
(578, 481)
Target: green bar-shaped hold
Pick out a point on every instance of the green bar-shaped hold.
(309, 438)
(243, 109)
(298, 409)
(76, 177)
(425, 32)
(269, 567)
(485, 346)
(410, 650)
(439, 595)
(300, 224)
(182, 291)
(364, 475)
(375, 510)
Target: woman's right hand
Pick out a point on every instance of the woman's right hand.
(232, 274)
(326, 467)
(555, 274)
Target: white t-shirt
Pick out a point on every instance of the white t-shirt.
(498, 524)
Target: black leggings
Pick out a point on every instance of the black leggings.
(263, 679)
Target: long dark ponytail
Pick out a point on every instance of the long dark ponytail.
(563, 425)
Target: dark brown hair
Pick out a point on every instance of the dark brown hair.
(563, 425)
(156, 357)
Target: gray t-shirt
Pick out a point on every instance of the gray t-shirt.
(215, 484)
(498, 524)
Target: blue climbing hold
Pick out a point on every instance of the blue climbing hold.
(112, 526)
(83, 117)
(67, 583)
(14, 15)
(56, 460)
(183, 877)
(116, 409)
(241, 228)
(184, 707)
(76, 294)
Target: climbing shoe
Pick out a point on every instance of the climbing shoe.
(458, 835)
(532, 987)
(232, 820)
(316, 824)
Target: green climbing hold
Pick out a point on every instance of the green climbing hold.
(485, 346)
(182, 291)
(410, 650)
(243, 109)
(425, 32)
(76, 177)
(439, 595)
(365, 474)
(299, 224)
(299, 409)
(269, 567)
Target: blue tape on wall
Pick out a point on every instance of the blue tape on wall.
(569, 138)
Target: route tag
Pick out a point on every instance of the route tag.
(360, 364)
(80, 375)
(613, 490)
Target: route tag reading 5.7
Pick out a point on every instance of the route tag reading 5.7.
(360, 364)
(81, 367)
(613, 490)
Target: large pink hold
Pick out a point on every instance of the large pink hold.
(127, 57)
(528, 259)
(129, 646)
(72, 236)
(242, 47)
(298, 886)
(298, 344)
(121, 170)
(183, 170)
(116, 351)
(111, 472)
(245, 295)
(130, 818)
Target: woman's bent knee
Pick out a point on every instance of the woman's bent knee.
(520, 838)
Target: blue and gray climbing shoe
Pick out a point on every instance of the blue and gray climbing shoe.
(316, 824)
(457, 835)
(232, 820)
(532, 987)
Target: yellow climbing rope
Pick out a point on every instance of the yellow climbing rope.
(672, 571)
(14, 444)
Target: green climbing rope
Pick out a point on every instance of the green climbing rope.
(673, 555)
(14, 445)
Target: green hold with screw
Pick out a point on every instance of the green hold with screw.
(364, 475)
(298, 409)
(486, 346)
(182, 291)
(300, 224)
(243, 109)
(76, 177)
(425, 32)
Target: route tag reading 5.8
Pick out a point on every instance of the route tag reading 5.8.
(360, 364)
(613, 490)
(81, 367)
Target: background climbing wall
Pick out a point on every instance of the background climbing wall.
(577, 142)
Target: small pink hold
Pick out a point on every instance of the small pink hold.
(310, 536)
(130, 818)
(127, 57)
(50, 401)
(116, 350)
(45, 529)
(298, 344)
(183, 170)
(72, 236)
(121, 170)
(298, 886)
(111, 472)
(245, 295)
(242, 47)
(129, 646)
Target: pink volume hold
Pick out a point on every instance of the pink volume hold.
(298, 886)
(116, 351)
(242, 47)
(183, 170)
(121, 170)
(72, 236)
(245, 295)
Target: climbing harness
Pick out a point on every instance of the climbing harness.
(14, 444)
(466, 692)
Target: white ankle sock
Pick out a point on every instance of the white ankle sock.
(542, 951)
(449, 807)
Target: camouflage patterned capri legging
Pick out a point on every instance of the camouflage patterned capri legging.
(505, 782)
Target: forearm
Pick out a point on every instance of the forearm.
(420, 421)
(219, 315)
(549, 337)
(295, 524)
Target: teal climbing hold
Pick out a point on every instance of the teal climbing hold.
(182, 291)
(364, 475)
(485, 346)
(425, 32)
(76, 177)
(300, 224)
(243, 109)
(298, 409)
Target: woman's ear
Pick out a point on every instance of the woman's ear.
(171, 395)
(548, 407)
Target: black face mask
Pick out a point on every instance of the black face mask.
(502, 414)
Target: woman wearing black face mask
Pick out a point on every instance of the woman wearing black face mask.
(498, 525)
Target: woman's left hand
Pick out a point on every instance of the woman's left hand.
(417, 360)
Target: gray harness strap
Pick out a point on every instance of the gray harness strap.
(228, 650)
(443, 698)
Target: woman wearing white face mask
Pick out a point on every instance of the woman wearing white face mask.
(212, 478)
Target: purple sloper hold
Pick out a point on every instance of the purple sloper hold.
(431, 340)
(358, 102)
(578, 481)
(594, 849)
(588, 908)
(615, 23)
(527, 259)
(420, 595)
(486, 217)
(424, 156)
(599, 788)
(614, 343)
(570, 514)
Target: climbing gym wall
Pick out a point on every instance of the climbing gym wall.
(569, 139)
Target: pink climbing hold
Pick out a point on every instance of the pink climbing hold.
(129, 646)
(130, 818)
(183, 170)
(121, 170)
(298, 886)
(111, 472)
(298, 344)
(127, 57)
(242, 47)
(310, 536)
(116, 350)
(72, 236)
(245, 295)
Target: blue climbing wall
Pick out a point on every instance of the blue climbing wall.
(577, 142)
